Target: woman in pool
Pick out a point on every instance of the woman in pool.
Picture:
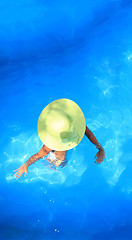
(61, 126)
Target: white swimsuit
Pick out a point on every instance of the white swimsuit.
(51, 158)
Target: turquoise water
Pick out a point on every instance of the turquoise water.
(81, 51)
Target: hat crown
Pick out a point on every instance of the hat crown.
(58, 123)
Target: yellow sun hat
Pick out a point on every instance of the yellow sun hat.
(61, 125)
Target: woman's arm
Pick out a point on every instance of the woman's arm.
(42, 153)
(101, 154)
(91, 136)
(23, 169)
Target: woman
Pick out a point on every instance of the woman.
(61, 126)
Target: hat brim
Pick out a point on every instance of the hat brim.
(77, 131)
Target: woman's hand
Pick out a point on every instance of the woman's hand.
(100, 156)
(20, 171)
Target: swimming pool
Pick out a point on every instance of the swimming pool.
(81, 51)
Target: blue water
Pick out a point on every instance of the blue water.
(79, 50)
